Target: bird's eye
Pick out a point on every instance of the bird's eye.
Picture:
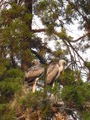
(65, 63)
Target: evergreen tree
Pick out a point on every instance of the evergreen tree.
(20, 44)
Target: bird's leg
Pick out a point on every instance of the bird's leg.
(34, 85)
(53, 85)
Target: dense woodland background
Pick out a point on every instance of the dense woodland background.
(20, 44)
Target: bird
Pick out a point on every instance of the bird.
(33, 74)
(54, 70)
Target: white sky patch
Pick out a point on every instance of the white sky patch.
(73, 30)
(37, 24)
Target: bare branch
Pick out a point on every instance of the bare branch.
(80, 38)
(38, 30)
(76, 8)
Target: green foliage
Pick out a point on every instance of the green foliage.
(4, 64)
(2, 108)
(30, 99)
(16, 40)
(86, 115)
(76, 94)
(87, 64)
(15, 11)
(68, 77)
(70, 13)
(58, 52)
(69, 9)
(63, 35)
(42, 5)
(36, 101)
(15, 31)
(6, 113)
(2, 70)
(85, 6)
(40, 100)
(50, 29)
(10, 83)
(46, 5)
(49, 13)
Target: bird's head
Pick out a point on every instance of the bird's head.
(35, 62)
(62, 62)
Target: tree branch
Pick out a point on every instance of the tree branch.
(42, 60)
(76, 8)
(69, 42)
(38, 30)
(80, 38)
(57, 33)
(75, 51)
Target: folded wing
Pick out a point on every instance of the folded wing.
(52, 73)
(33, 73)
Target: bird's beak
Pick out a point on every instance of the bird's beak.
(65, 63)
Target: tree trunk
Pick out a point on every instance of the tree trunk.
(25, 62)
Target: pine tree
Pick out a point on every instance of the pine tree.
(20, 44)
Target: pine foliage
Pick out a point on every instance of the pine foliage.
(20, 44)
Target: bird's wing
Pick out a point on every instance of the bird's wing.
(51, 75)
(50, 68)
(34, 72)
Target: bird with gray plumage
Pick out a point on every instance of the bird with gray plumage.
(54, 70)
(33, 74)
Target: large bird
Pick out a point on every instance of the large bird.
(33, 74)
(54, 70)
(52, 73)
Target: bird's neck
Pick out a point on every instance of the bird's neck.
(61, 67)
